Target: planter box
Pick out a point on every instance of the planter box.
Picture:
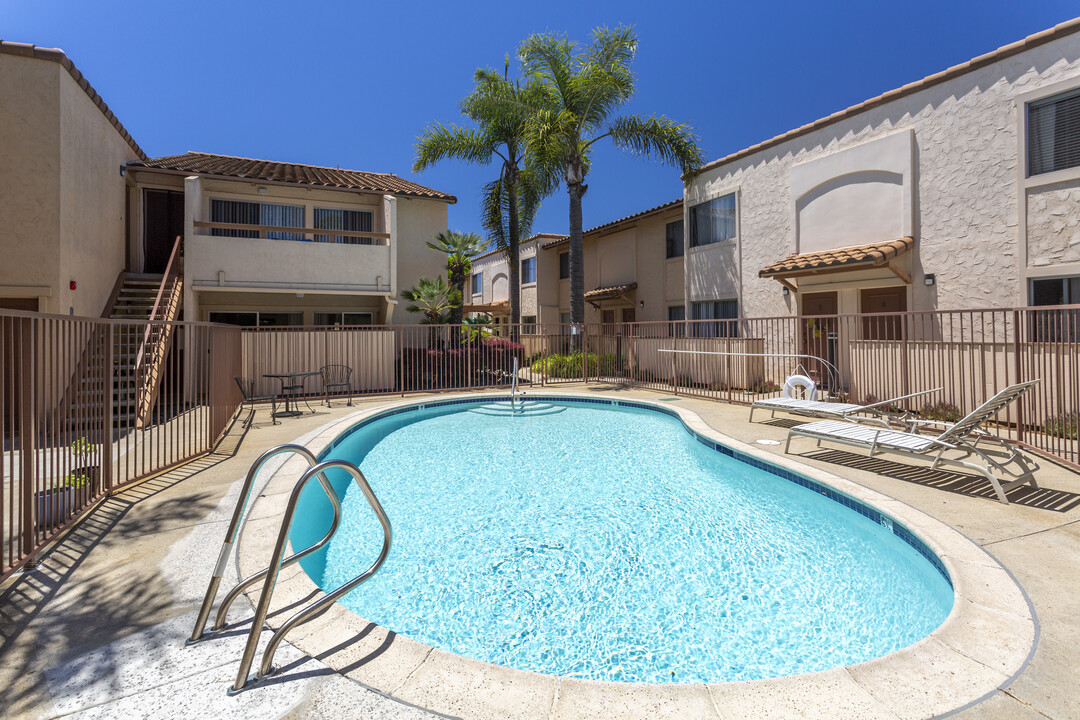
(52, 507)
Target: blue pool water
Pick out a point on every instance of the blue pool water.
(607, 542)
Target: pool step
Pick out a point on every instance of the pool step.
(527, 408)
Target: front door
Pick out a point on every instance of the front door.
(819, 333)
(163, 223)
(883, 300)
(608, 320)
(629, 315)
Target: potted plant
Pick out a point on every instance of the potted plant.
(55, 504)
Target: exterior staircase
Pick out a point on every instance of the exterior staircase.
(138, 350)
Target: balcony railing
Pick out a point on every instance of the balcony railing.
(322, 235)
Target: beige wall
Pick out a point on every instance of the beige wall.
(633, 252)
(495, 280)
(418, 221)
(63, 214)
(969, 198)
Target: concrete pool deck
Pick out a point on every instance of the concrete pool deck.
(97, 629)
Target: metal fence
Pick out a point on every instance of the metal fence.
(969, 354)
(69, 398)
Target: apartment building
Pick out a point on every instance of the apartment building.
(960, 190)
(89, 222)
(488, 290)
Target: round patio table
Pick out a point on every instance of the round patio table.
(291, 390)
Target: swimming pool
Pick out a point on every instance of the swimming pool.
(602, 539)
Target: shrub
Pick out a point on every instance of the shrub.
(489, 361)
(569, 366)
(942, 412)
(1066, 425)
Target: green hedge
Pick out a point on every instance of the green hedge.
(569, 366)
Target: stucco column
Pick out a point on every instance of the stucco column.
(193, 200)
(390, 227)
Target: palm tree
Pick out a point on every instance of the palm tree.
(583, 92)
(432, 298)
(502, 109)
(460, 249)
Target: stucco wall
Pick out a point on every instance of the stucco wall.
(418, 221)
(1053, 223)
(30, 179)
(966, 194)
(92, 201)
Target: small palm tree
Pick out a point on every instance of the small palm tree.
(433, 299)
(583, 92)
(460, 249)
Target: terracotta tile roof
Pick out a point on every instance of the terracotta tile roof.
(848, 258)
(563, 239)
(57, 55)
(613, 291)
(1031, 41)
(524, 241)
(292, 173)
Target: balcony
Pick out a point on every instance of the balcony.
(271, 258)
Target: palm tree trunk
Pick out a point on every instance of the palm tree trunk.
(457, 312)
(577, 254)
(515, 258)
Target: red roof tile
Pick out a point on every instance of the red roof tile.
(848, 258)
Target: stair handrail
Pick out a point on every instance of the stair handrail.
(230, 539)
(172, 271)
(266, 667)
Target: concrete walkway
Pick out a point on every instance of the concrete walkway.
(97, 629)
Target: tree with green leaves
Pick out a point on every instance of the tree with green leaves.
(583, 91)
(501, 109)
(432, 298)
(460, 249)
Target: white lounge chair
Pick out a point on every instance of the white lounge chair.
(878, 412)
(962, 438)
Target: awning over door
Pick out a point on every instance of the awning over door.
(614, 292)
(858, 257)
(493, 308)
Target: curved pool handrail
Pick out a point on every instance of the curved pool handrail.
(234, 526)
(262, 609)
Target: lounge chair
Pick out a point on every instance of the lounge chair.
(961, 439)
(876, 413)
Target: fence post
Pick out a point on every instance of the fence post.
(1017, 367)
(584, 354)
(27, 388)
(401, 360)
(111, 387)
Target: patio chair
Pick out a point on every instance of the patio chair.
(953, 446)
(875, 413)
(336, 376)
(247, 392)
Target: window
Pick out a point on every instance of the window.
(528, 270)
(1055, 325)
(1054, 133)
(349, 220)
(564, 265)
(257, 319)
(528, 324)
(716, 310)
(343, 318)
(712, 221)
(676, 315)
(477, 283)
(253, 213)
(674, 233)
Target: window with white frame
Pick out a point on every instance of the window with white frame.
(347, 220)
(564, 265)
(477, 283)
(528, 270)
(1053, 133)
(713, 221)
(528, 324)
(676, 315)
(1055, 325)
(240, 212)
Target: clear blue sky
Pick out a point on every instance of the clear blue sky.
(353, 83)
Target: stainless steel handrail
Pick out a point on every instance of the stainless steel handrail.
(234, 526)
(263, 608)
(513, 387)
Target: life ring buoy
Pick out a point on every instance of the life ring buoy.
(794, 381)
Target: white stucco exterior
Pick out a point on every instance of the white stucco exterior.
(944, 165)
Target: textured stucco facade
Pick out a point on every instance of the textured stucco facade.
(981, 227)
(494, 269)
(63, 215)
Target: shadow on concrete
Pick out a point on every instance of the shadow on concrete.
(955, 482)
(107, 603)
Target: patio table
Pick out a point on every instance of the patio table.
(287, 391)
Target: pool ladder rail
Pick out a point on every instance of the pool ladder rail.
(514, 388)
(316, 470)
